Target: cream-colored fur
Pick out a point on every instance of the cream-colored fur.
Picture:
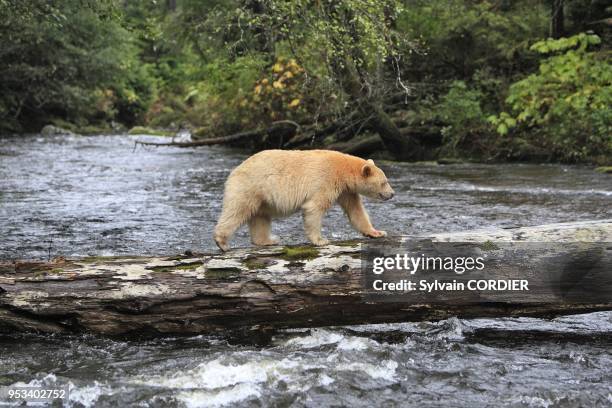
(277, 183)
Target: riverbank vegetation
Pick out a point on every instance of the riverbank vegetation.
(410, 80)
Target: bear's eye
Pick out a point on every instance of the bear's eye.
(383, 183)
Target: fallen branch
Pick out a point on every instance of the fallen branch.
(344, 127)
(226, 139)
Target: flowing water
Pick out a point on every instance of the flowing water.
(76, 196)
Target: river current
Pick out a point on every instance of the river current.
(76, 196)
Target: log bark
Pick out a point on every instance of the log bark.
(247, 289)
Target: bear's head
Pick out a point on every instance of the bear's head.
(373, 183)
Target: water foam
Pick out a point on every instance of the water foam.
(199, 398)
(465, 187)
(316, 338)
(88, 395)
(323, 337)
(385, 370)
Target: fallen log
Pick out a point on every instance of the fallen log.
(252, 288)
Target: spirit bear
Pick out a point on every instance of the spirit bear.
(277, 183)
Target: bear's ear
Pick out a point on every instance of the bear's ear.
(371, 161)
(366, 170)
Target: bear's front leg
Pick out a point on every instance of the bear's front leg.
(355, 211)
(313, 218)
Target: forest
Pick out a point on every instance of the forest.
(491, 80)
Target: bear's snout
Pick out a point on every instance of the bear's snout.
(387, 196)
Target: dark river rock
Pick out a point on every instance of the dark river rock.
(75, 196)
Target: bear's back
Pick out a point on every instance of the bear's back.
(285, 179)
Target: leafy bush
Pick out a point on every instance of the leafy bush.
(456, 38)
(215, 100)
(461, 111)
(460, 107)
(565, 106)
(55, 58)
(279, 93)
(134, 94)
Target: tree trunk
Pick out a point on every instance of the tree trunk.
(355, 83)
(557, 20)
(362, 147)
(264, 39)
(401, 146)
(245, 289)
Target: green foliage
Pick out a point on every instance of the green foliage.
(225, 65)
(337, 28)
(461, 106)
(216, 101)
(565, 106)
(342, 45)
(55, 57)
(578, 42)
(461, 112)
(466, 54)
(456, 38)
(279, 94)
(214, 28)
(503, 123)
(135, 92)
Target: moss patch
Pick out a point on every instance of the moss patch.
(93, 259)
(254, 263)
(36, 266)
(296, 253)
(604, 169)
(488, 246)
(141, 130)
(201, 133)
(347, 243)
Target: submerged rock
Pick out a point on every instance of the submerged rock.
(449, 160)
(52, 130)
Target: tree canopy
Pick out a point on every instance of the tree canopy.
(483, 74)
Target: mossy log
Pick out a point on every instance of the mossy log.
(243, 289)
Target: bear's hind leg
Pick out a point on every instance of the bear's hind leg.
(313, 219)
(260, 227)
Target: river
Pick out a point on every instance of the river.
(76, 196)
